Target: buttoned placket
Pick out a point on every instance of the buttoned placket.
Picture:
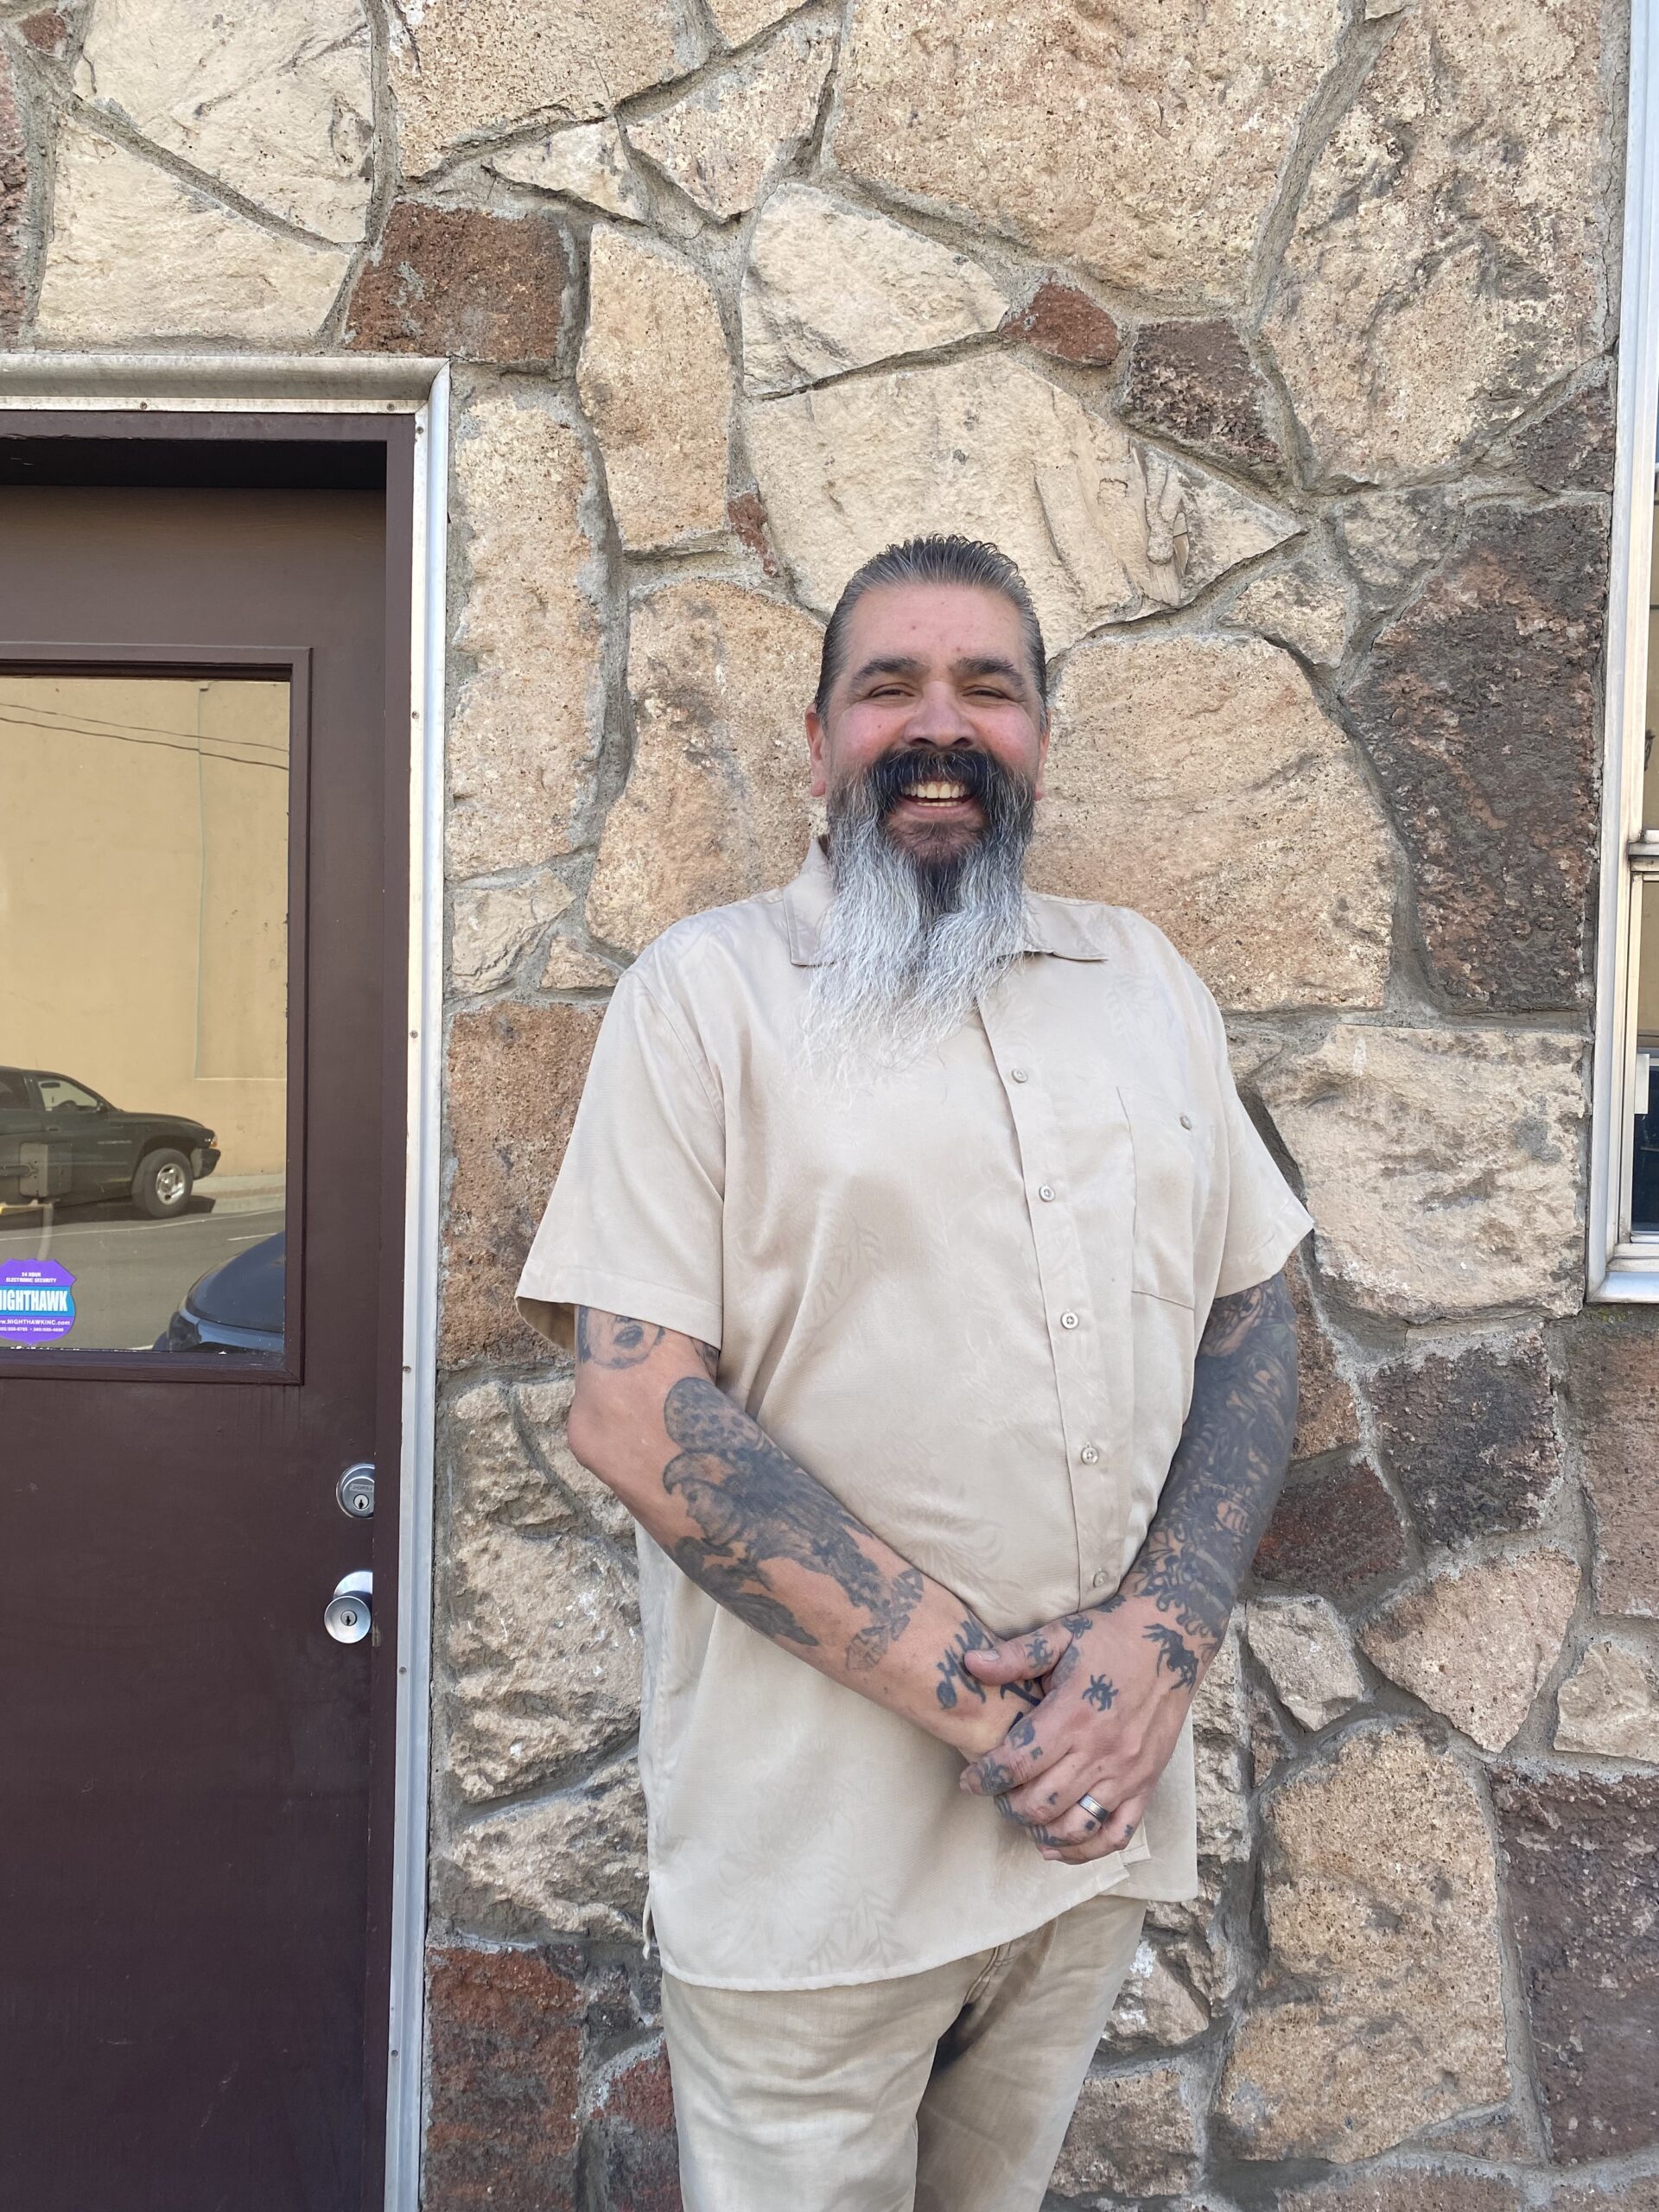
(1073, 1326)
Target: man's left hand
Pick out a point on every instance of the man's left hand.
(1119, 1679)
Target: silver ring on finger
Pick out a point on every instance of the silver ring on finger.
(1093, 1807)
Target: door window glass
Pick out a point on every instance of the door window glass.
(143, 1016)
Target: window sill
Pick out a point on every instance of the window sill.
(1633, 1277)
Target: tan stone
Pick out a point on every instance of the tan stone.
(1155, 2003)
(723, 143)
(492, 1477)
(739, 21)
(1476, 1641)
(569, 1865)
(1143, 145)
(274, 101)
(1613, 1380)
(1303, 1647)
(1137, 2134)
(831, 288)
(656, 385)
(716, 804)
(569, 968)
(1381, 2010)
(1411, 2189)
(544, 1408)
(463, 69)
(495, 924)
(524, 731)
(1326, 1414)
(1608, 1706)
(539, 1637)
(1220, 1733)
(134, 255)
(1304, 605)
(1103, 527)
(1176, 756)
(589, 162)
(1474, 147)
(1440, 1167)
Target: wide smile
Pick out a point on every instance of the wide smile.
(939, 795)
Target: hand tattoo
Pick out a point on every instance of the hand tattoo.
(1175, 1654)
(954, 1677)
(1100, 1693)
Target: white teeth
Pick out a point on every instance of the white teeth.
(936, 790)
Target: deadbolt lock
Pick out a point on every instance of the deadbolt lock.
(355, 1491)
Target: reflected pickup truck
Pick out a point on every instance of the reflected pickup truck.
(61, 1143)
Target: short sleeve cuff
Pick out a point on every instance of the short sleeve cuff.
(1244, 1270)
(548, 1299)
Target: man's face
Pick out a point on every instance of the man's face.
(931, 665)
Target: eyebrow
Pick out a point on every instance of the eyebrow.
(969, 664)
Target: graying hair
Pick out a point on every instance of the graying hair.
(951, 560)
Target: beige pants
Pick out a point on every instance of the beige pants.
(949, 2091)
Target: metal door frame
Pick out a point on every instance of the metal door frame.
(275, 384)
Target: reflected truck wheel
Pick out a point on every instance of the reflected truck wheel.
(163, 1185)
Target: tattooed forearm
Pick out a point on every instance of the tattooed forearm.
(1225, 1478)
(617, 1340)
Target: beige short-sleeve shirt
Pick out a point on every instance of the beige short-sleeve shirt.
(968, 1299)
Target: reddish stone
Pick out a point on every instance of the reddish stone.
(1612, 1390)
(1471, 1441)
(1477, 705)
(14, 208)
(1572, 448)
(1326, 1415)
(1583, 1857)
(503, 2061)
(515, 1073)
(457, 281)
(47, 32)
(630, 2133)
(1333, 1530)
(1194, 382)
(748, 518)
(1059, 320)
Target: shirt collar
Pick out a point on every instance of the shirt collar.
(1065, 928)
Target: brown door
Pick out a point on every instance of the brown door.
(198, 1333)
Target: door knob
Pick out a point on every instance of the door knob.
(346, 1616)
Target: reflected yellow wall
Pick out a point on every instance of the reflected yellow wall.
(143, 895)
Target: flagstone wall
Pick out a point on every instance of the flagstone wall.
(1276, 344)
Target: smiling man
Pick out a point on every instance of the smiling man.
(923, 1277)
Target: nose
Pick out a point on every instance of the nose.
(938, 718)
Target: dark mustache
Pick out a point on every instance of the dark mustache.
(979, 776)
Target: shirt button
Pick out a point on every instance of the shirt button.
(1186, 1120)
(1045, 1190)
(1102, 1579)
(1018, 1075)
(1068, 1320)
(1089, 1455)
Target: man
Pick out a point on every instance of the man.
(924, 1276)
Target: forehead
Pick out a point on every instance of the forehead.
(934, 623)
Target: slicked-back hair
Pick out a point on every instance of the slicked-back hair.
(952, 560)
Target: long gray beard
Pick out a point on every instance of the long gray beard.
(906, 949)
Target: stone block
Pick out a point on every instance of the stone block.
(1135, 2134)
(830, 287)
(656, 385)
(1306, 605)
(1102, 528)
(539, 1641)
(586, 161)
(1194, 383)
(1477, 1642)
(465, 70)
(134, 255)
(716, 804)
(524, 733)
(14, 208)
(1303, 1646)
(515, 1078)
(1220, 1782)
(460, 282)
(1444, 267)
(275, 102)
(726, 141)
(1470, 1438)
(1156, 2004)
(1172, 755)
(48, 30)
(629, 2112)
(1571, 446)
(1608, 1706)
(1478, 706)
(494, 1478)
(1326, 1414)
(739, 21)
(503, 2061)
(1440, 1165)
(1143, 151)
(1381, 2007)
(494, 925)
(573, 1864)
(544, 1408)
(1612, 1387)
(1410, 2189)
(1584, 1896)
(1060, 320)
(1334, 1529)
(568, 967)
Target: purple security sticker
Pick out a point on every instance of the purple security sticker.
(37, 1301)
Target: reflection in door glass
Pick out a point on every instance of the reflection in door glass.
(144, 1025)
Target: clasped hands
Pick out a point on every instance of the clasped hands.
(1116, 1682)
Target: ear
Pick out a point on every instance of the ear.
(815, 737)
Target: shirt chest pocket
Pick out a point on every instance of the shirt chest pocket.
(1171, 1146)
